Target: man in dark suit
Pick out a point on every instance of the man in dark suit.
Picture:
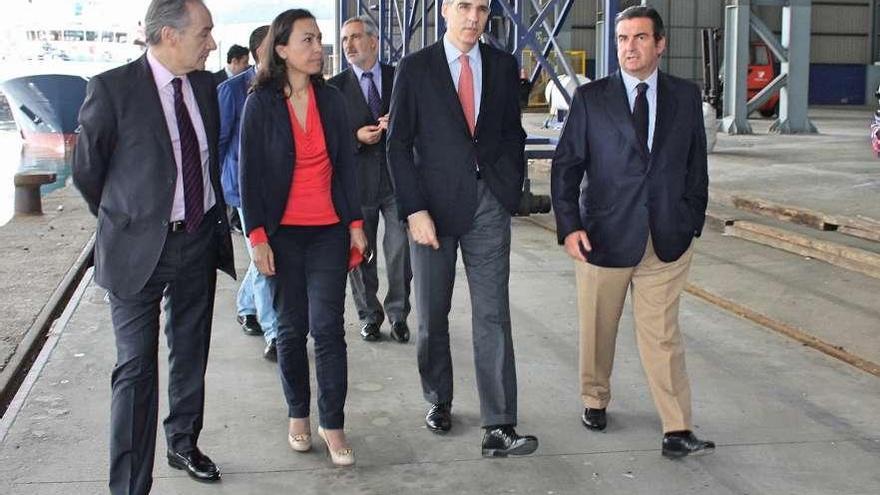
(237, 61)
(456, 152)
(366, 86)
(630, 186)
(254, 309)
(146, 164)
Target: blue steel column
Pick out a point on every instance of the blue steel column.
(409, 13)
(518, 9)
(381, 26)
(439, 23)
(341, 16)
(793, 98)
(424, 23)
(606, 43)
(736, 54)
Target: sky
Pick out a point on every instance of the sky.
(224, 11)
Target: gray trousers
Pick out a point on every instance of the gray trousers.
(485, 250)
(185, 279)
(365, 279)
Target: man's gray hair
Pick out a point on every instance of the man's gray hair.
(369, 26)
(162, 13)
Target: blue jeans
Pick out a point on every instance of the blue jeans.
(256, 295)
(311, 265)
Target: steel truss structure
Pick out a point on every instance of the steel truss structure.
(793, 52)
(515, 25)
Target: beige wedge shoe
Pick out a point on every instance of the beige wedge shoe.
(300, 442)
(339, 457)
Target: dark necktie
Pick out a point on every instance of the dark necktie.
(640, 114)
(191, 162)
(374, 101)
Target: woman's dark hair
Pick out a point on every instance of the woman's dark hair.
(637, 11)
(273, 70)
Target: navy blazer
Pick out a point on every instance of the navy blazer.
(431, 153)
(231, 95)
(370, 158)
(124, 166)
(267, 157)
(605, 182)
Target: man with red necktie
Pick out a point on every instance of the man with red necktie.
(456, 154)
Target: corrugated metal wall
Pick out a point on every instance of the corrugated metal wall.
(582, 23)
(841, 32)
(683, 20)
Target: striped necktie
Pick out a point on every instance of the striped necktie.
(191, 162)
(374, 101)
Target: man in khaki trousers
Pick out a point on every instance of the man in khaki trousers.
(630, 186)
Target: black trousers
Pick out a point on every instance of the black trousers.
(185, 278)
(310, 269)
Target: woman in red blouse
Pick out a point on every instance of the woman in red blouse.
(302, 216)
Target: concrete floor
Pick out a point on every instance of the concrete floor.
(787, 419)
(833, 172)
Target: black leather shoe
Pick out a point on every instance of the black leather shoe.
(271, 351)
(439, 417)
(503, 440)
(594, 419)
(400, 332)
(234, 222)
(370, 332)
(678, 444)
(250, 325)
(197, 465)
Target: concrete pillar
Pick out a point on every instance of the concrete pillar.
(794, 96)
(736, 63)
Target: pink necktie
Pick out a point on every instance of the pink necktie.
(466, 92)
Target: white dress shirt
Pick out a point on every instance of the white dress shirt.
(163, 77)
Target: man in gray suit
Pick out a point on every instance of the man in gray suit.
(366, 86)
(456, 152)
(146, 164)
